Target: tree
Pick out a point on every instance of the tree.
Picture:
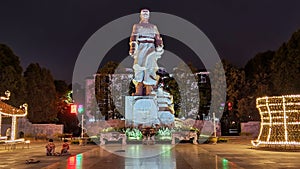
(169, 84)
(41, 94)
(61, 87)
(286, 67)
(63, 103)
(258, 83)
(271, 73)
(235, 80)
(11, 76)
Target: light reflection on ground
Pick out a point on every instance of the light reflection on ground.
(75, 162)
(145, 156)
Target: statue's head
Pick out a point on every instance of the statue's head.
(145, 14)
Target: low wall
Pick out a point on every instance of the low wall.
(205, 127)
(38, 130)
(251, 127)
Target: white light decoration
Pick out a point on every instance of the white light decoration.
(8, 110)
(280, 120)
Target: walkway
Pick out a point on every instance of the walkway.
(237, 153)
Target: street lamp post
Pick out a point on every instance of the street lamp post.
(82, 119)
(214, 119)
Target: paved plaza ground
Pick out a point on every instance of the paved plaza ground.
(236, 153)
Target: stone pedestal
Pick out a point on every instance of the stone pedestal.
(141, 110)
(148, 135)
(112, 136)
(148, 111)
(185, 136)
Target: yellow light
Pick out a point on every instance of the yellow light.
(74, 108)
(280, 120)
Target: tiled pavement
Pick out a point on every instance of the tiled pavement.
(240, 152)
(237, 153)
(16, 158)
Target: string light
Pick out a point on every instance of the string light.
(280, 120)
(8, 110)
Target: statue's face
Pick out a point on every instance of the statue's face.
(145, 14)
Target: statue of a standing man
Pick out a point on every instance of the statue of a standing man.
(146, 46)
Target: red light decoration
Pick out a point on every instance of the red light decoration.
(71, 163)
(74, 108)
(229, 104)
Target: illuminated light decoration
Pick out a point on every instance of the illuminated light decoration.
(71, 162)
(10, 111)
(164, 134)
(79, 160)
(133, 134)
(69, 99)
(74, 108)
(229, 104)
(280, 120)
(80, 108)
(225, 163)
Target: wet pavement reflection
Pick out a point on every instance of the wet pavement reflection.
(147, 157)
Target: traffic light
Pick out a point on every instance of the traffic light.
(229, 104)
(80, 108)
(74, 108)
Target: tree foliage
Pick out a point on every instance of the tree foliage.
(11, 76)
(271, 73)
(63, 100)
(258, 83)
(41, 94)
(286, 67)
(170, 85)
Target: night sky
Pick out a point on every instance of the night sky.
(52, 32)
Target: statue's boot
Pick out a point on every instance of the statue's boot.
(148, 90)
(139, 89)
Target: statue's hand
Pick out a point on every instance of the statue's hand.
(159, 51)
(132, 53)
(159, 48)
(133, 48)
